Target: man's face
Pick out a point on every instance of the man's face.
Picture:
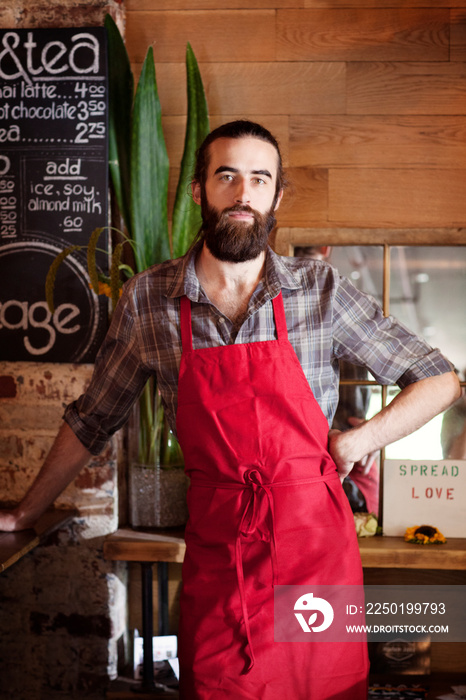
(238, 199)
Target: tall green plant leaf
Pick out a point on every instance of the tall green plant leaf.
(149, 172)
(186, 218)
(121, 90)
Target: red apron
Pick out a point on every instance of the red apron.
(265, 507)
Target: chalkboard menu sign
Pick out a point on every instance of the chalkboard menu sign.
(53, 189)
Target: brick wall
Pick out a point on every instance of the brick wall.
(62, 607)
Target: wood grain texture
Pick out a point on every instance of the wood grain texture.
(411, 198)
(449, 657)
(406, 88)
(393, 552)
(458, 34)
(404, 4)
(374, 141)
(133, 545)
(215, 35)
(376, 552)
(15, 545)
(413, 577)
(305, 200)
(174, 131)
(355, 34)
(286, 238)
(136, 5)
(258, 88)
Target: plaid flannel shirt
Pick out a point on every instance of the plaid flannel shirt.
(328, 319)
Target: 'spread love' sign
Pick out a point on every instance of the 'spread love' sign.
(424, 492)
(53, 189)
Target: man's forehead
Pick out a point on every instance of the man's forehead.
(249, 152)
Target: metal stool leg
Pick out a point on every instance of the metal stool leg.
(162, 577)
(147, 627)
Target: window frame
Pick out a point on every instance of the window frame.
(287, 238)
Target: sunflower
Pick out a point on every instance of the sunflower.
(424, 534)
(106, 290)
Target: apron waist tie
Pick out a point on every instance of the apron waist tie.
(253, 481)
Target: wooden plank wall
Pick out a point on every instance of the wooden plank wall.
(367, 98)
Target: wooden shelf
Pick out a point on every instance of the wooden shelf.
(395, 553)
(376, 552)
(139, 545)
(14, 545)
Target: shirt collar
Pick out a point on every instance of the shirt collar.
(185, 282)
(277, 274)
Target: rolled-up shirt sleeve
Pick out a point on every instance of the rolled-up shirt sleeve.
(118, 380)
(388, 349)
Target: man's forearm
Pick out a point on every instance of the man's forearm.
(64, 462)
(410, 409)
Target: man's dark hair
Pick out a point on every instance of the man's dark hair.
(238, 129)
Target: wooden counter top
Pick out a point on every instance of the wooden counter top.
(14, 545)
(395, 553)
(139, 545)
(376, 552)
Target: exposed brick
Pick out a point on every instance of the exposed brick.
(94, 477)
(39, 16)
(36, 448)
(24, 416)
(57, 614)
(7, 17)
(14, 481)
(11, 447)
(82, 625)
(89, 682)
(7, 387)
(49, 382)
(39, 622)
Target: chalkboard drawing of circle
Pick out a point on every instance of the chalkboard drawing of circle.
(28, 330)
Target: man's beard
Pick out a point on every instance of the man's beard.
(235, 241)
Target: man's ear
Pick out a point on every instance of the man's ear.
(196, 190)
(279, 199)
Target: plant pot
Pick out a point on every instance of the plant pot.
(157, 483)
(157, 496)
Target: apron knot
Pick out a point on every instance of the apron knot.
(253, 480)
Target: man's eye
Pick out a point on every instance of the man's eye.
(226, 178)
(259, 181)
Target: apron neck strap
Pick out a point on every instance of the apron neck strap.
(186, 327)
(280, 318)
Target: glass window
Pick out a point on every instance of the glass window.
(425, 288)
(428, 293)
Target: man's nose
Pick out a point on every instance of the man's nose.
(242, 193)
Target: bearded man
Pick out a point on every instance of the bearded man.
(245, 346)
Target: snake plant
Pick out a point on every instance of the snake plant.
(139, 169)
(138, 158)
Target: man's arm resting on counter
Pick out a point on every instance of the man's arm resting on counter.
(64, 462)
(414, 406)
